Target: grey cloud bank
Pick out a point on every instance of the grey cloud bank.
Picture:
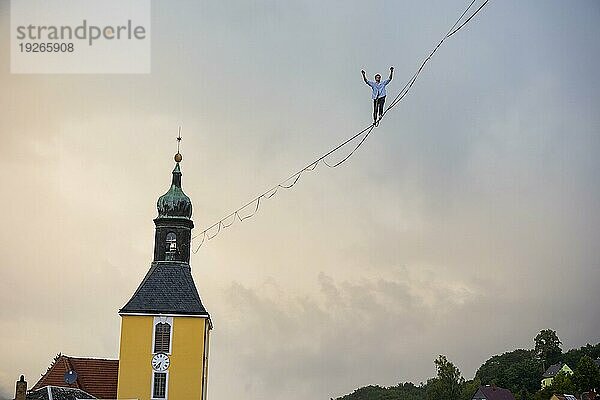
(468, 221)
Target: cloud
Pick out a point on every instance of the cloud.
(347, 334)
(471, 212)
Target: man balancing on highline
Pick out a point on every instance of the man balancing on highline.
(378, 93)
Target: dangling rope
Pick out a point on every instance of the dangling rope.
(249, 209)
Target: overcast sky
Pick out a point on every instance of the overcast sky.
(467, 222)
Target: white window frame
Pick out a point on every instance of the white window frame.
(157, 320)
(166, 385)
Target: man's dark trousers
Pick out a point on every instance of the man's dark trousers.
(378, 107)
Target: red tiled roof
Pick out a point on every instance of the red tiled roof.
(96, 376)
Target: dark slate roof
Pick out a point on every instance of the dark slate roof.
(553, 370)
(493, 393)
(168, 288)
(96, 376)
(58, 393)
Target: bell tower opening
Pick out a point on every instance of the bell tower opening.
(171, 241)
(171, 246)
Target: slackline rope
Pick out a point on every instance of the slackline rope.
(254, 205)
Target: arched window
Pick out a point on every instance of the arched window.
(162, 337)
(171, 242)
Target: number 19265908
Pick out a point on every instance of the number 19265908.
(46, 47)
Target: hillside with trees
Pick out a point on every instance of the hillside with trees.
(519, 370)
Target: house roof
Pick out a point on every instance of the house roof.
(493, 393)
(58, 393)
(96, 376)
(553, 370)
(591, 395)
(565, 397)
(168, 288)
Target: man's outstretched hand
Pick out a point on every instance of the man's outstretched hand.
(362, 71)
(391, 69)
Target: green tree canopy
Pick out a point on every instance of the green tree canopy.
(547, 347)
(447, 385)
(586, 375)
(562, 383)
(469, 388)
(403, 391)
(518, 371)
(572, 357)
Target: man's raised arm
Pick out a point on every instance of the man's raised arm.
(362, 71)
(391, 73)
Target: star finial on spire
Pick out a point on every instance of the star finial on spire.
(178, 156)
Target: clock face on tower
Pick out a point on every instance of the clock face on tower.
(160, 362)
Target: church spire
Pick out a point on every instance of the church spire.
(174, 223)
(168, 286)
(175, 203)
(165, 327)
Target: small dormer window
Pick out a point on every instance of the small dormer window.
(171, 242)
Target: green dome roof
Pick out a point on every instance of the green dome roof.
(175, 203)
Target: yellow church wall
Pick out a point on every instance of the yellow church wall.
(135, 354)
(187, 358)
(185, 372)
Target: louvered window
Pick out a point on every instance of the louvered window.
(162, 338)
(159, 391)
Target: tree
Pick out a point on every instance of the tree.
(371, 392)
(517, 371)
(448, 383)
(586, 375)
(547, 347)
(403, 391)
(406, 391)
(469, 388)
(562, 383)
(524, 394)
(572, 357)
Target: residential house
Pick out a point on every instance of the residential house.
(493, 393)
(58, 393)
(563, 397)
(591, 395)
(552, 371)
(70, 378)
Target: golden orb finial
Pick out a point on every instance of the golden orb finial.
(178, 157)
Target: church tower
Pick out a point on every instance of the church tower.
(164, 326)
